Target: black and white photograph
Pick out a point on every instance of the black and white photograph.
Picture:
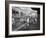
(25, 18)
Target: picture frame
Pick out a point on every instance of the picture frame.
(35, 29)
